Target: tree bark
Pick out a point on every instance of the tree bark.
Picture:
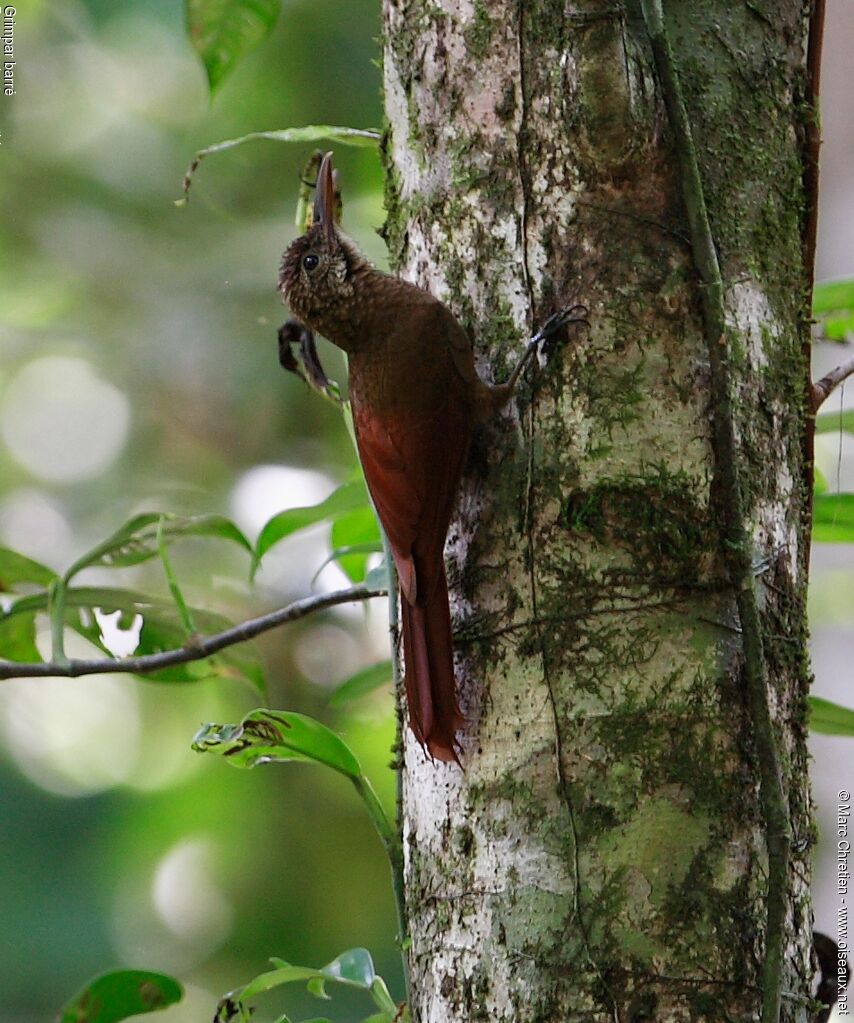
(602, 854)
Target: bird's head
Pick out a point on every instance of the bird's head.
(314, 277)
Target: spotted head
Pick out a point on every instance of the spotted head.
(315, 276)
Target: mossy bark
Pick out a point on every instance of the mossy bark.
(601, 854)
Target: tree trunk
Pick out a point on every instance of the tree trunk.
(603, 854)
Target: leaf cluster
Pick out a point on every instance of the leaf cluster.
(353, 968)
(164, 625)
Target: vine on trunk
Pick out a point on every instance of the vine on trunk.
(734, 536)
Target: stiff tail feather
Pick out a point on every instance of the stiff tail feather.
(431, 692)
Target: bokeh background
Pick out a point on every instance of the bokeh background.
(138, 371)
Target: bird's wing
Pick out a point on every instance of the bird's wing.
(413, 464)
(395, 498)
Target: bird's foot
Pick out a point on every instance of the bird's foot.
(306, 363)
(553, 326)
(500, 394)
(557, 321)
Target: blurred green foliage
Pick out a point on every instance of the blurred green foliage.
(833, 305)
(828, 718)
(223, 31)
(138, 372)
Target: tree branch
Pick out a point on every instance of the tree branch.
(735, 540)
(822, 389)
(196, 650)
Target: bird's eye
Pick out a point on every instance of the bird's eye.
(310, 262)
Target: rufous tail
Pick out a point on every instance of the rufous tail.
(431, 692)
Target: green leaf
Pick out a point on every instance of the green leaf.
(347, 498)
(308, 133)
(363, 682)
(137, 540)
(833, 422)
(360, 137)
(163, 630)
(283, 974)
(819, 481)
(340, 553)
(223, 31)
(121, 994)
(838, 328)
(832, 296)
(828, 718)
(833, 518)
(382, 998)
(317, 987)
(357, 529)
(268, 736)
(18, 638)
(106, 598)
(354, 966)
(16, 569)
(833, 304)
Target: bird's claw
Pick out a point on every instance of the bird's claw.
(306, 363)
(557, 321)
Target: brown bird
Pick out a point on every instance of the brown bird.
(415, 398)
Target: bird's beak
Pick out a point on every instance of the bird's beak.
(324, 202)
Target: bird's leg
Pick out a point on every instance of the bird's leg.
(498, 395)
